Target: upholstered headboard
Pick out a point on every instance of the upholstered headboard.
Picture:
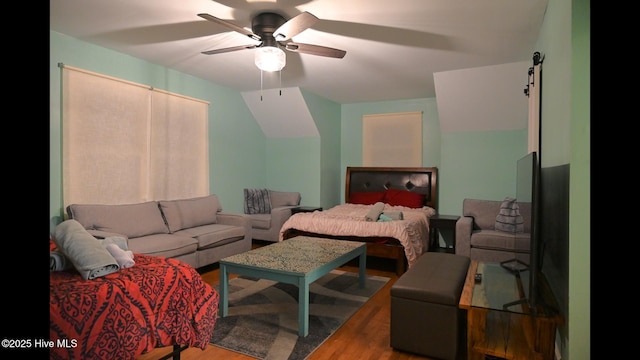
(422, 180)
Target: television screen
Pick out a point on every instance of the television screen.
(554, 233)
(528, 189)
(527, 266)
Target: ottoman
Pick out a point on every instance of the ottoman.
(425, 318)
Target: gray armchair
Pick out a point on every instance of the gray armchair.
(266, 225)
(477, 237)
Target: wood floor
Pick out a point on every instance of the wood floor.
(364, 336)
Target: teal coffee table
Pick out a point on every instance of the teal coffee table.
(299, 261)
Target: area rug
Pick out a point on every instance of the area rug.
(262, 321)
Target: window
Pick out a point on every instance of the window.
(126, 143)
(393, 139)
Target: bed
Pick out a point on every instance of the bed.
(155, 303)
(400, 240)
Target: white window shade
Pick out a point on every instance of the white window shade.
(179, 165)
(105, 142)
(126, 143)
(393, 139)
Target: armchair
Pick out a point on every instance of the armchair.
(268, 210)
(477, 237)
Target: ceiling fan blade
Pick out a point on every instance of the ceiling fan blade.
(229, 49)
(315, 50)
(295, 26)
(230, 25)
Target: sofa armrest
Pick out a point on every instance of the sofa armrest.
(236, 219)
(279, 215)
(464, 227)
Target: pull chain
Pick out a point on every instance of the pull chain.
(262, 82)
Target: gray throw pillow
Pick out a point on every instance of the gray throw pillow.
(509, 218)
(256, 201)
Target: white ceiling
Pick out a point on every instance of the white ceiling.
(281, 113)
(394, 48)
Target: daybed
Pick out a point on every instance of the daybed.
(478, 238)
(100, 309)
(194, 230)
(411, 192)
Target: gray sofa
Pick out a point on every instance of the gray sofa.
(195, 231)
(477, 237)
(266, 226)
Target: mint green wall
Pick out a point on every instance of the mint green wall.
(293, 164)
(478, 165)
(326, 115)
(564, 40)
(237, 144)
(580, 183)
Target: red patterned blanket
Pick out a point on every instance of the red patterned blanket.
(157, 302)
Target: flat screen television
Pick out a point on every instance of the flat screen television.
(554, 234)
(528, 199)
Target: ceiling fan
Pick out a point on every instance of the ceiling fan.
(274, 31)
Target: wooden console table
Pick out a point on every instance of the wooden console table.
(505, 334)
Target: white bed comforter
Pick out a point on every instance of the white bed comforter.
(349, 220)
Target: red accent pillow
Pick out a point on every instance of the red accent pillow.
(404, 198)
(366, 197)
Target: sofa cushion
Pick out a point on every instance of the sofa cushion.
(500, 240)
(131, 220)
(213, 234)
(185, 213)
(260, 221)
(483, 212)
(257, 201)
(165, 245)
(284, 198)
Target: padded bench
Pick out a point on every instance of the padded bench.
(425, 318)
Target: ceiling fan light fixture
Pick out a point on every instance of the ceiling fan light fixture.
(270, 58)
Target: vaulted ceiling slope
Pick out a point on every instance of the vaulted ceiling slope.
(392, 49)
